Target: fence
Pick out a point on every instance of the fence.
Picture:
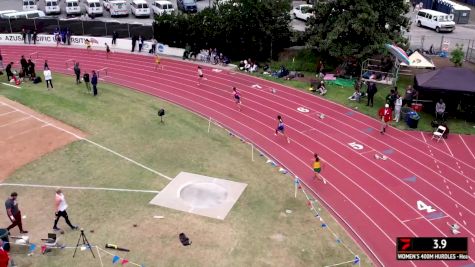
(439, 42)
(76, 27)
(470, 56)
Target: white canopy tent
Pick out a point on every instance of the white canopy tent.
(418, 61)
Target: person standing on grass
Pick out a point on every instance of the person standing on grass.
(371, 91)
(1, 63)
(281, 128)
(24, 64)
(114, 37)
(200, 75)
(48, 78)
(46, 65)
(237, 98)
(77, 71)
(397, 108)
(14, 213)
(9, 71)
(61, 207)
(108, 50)
(385, 114)
(86, 80)
(31, 69)
(94, 83)
(317, 168)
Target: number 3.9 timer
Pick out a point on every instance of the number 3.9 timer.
(432, 248)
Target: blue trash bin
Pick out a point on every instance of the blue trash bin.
(413, 120)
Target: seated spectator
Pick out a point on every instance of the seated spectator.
(241, 65)
(321, 88)
(356, 96)
(247, 65)
(253, 68)
(440, 110)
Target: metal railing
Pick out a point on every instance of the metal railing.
(76, 26)
(441, 43)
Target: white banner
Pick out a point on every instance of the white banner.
(96, 43)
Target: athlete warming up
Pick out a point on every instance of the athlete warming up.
(237, 98)
(200, 75)
(317, 168)
(281, 128)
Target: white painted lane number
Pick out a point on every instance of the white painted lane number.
(423, 206)
(356, 146)
(302, 109)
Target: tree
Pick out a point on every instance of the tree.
(239, 28)
(457, 55)
(357, 28)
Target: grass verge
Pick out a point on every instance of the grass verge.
(257, 231)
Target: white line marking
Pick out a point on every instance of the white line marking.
(423, 137)
(7, 84)
(463, 141)
(447, 145)
(96, 144)
(26, 131)
(445, 180)
(450, 192)
(457, 206)
(460, 213)
(464, 222)
(447, 187)
(471, 188)
(13, 122)
(6, 113)
(81, 188)
(405, 221)
(473, 240)
(438, 166)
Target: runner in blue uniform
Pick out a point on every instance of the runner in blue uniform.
(281, 128)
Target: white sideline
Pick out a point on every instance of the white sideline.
(92, 142)
(81, 188)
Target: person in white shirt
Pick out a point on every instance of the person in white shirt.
(61, 207)
(48, 78)
(440, 110)
(397, 108)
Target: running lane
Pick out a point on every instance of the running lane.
(375, 200)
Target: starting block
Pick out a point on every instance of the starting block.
(383, 157)
(454, 228)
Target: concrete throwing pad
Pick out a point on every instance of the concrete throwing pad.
(198, 194)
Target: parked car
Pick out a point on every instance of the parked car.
(29, 5)
(435, 20)
(93, 7)
(162, 7)
(73, 7)
(116, 7)
(52, 7)
(139, 8)
(187, 6)
(303, 12)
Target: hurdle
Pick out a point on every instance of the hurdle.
(103, 70)
(33, 54)
(68, 61)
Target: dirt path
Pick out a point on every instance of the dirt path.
(26, 135)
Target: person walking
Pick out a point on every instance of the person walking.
(371, 91)
(281, 128)
(108, 50)
(35, 35)
(134, 42)
(397, 108)
(385, 114)
(61, 207)
(317, 168)
(94, 83)
(86, 80)
(140, 43)
(77, 71)
(157, 63)
(48, 78)
(23, 35)
(29, 36)
(237, 98)
(14, 213)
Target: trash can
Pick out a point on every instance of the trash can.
(413, 120)
(405, 112)
(4, 238)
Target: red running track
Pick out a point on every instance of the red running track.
(375, 200)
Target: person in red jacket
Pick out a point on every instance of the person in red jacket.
(4, 258)
(386, 115)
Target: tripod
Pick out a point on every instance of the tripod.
(82, 240)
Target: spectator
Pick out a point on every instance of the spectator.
(371, 91)
(31, 69)
(440, 110)
(253, 68)
(409, 96)
(88, 44)
(48, 78)
(140, 43)
(9, 71)
(391, 98)
(68, 36)
(14, 213)
(23, 63)
(94, 83)
(397, 108)
(356, 96)
(29, 36)
(23, 34)
(35, 35)
(115, 35)
(1, 63)
(321, 88)
(46, 64)
(4, 258)
(77, 71)
(86, 80)
(134, 42)
(61, 207)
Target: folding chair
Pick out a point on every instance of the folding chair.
(50, 242)
(439, 133)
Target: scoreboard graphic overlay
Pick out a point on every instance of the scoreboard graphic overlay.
(432, 248)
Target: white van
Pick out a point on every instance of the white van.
(29, 5)
(24, 15)
(4, 12)
(93, 7)
(435, 20)
(52, 7)
(140, 8)
(116, 7)
(72, 7)
(162, 7)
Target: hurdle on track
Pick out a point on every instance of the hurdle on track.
(68, 61)
(102, 72)
(32, 55)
